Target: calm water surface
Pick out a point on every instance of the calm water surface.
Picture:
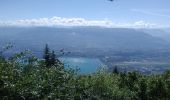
(86, 65)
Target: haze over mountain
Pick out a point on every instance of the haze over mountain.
(81, 39)
(161, 33)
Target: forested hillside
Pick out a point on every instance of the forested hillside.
(25, 77)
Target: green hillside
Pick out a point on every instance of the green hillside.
(25, 77)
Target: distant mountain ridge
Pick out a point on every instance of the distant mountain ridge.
(79, 39)
(161, 33)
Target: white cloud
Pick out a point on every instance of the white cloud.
(143, 24)
(136, 24)
(59, 21)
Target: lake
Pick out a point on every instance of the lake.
(86, 65)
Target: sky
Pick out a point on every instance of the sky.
(119, 13)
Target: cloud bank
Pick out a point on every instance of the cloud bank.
(59, 21)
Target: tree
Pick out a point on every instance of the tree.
(157, 89)
(50, 57)
(53, 58)
(132, 79)
(115, 70)
(47, 56)
(142, 92)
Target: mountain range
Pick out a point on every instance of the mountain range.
(82, 39)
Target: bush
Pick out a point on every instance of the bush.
(32, 80)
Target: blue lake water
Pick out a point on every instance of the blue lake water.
(86, 65)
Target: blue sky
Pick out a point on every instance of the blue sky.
(120, 11)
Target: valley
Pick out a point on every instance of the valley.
(128, 49)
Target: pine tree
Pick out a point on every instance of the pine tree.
(47, 56)
(50, 58)
(53, 58)
(115, 70)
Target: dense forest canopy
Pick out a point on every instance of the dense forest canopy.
(25, 77)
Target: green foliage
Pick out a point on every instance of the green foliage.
(47, 56)
(50, 57)
(32, 81)
(142, 91)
